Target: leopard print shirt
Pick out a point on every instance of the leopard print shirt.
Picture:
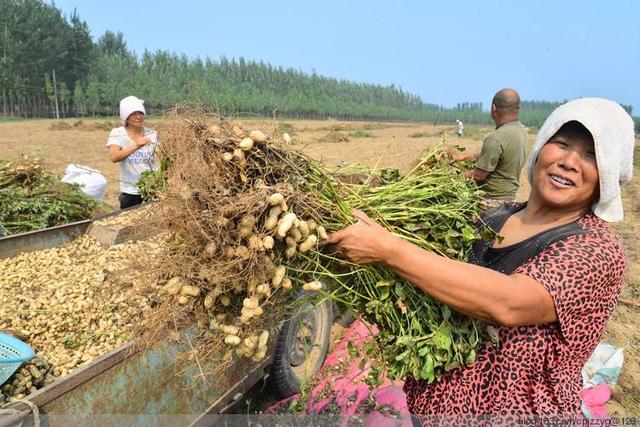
(536, 369)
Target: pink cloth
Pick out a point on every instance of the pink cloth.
(348, 390)
(594, 399)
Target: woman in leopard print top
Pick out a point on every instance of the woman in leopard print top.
(548, 287)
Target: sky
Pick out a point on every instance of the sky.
(444, 51)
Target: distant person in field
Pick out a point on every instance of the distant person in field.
(500, 161)
(134, 146)
(460, 128)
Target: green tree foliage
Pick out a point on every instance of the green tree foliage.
(112, 44)
(36, 39)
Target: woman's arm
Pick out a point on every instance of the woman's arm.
(507, 300)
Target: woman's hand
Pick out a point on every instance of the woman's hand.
(364, 242)
(141, 141)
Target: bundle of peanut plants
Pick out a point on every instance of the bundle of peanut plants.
(432, 206)
(32, 198)
(240, 212)
(247, 213)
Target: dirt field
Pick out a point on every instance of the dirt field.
(386, 145)
(61, 143)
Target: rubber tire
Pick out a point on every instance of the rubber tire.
(285, 379)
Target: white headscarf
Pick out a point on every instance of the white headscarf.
(614, 140)
(130, 105)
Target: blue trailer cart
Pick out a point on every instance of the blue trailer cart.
(139, 386)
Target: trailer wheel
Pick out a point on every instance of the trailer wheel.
(301, 346)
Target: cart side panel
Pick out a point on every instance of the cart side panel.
(147, 386)
(48, 238)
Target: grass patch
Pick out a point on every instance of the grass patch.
(475, 133)
(287, 128)
(420, 135)
(60, 126)
(337, 127)
(94, 125)
(11, 119)
(87, 126)
(334, 137)
(360, 134)
(345, 127)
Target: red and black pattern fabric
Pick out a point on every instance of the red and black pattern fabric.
(536, 369)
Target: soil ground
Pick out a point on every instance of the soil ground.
(391, 145)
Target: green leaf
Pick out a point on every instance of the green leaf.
(446, 313)
(428, 368)
(442, 337)
(352, 350)
(468, 234)
(471, 358)
(415, 325)
(402, 356)
(384, 283)
(399, 290)
(424, 350)
(411, 227)
(404, 340)
(369, 348)
(441, 356)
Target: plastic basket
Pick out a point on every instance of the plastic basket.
(13, 353)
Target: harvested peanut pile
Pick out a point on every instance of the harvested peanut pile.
(76, 302)
(31, 376)
(132, 217)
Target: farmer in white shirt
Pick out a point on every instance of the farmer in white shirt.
(460, 127)
(134, 146)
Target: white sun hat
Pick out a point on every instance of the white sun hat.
(613, 135)
(130, 105)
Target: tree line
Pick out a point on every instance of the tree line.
(50, 66)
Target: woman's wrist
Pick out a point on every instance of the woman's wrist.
(389, 248)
